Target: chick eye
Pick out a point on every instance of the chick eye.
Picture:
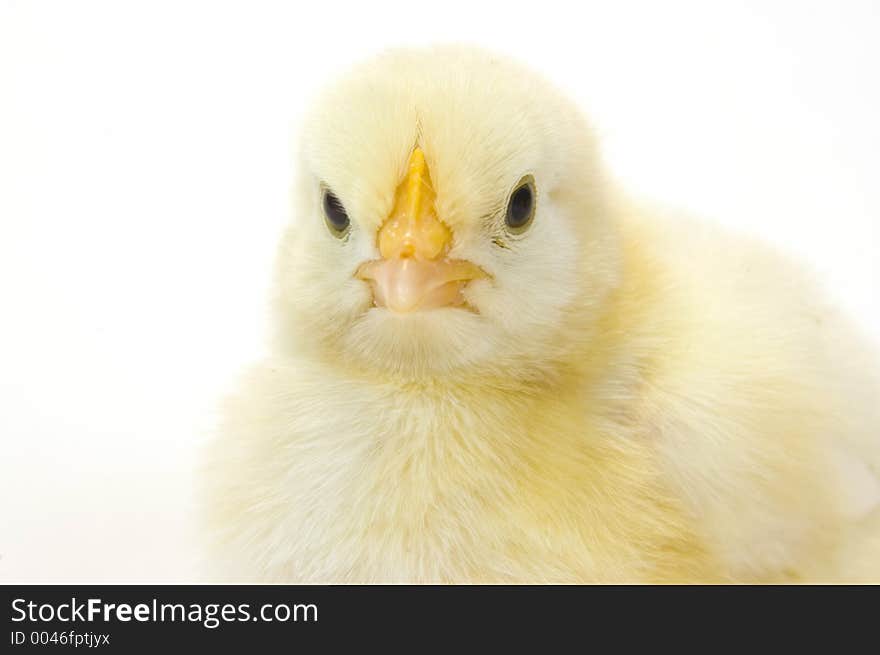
(521, 206)
(335, 214)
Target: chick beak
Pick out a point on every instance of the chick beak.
(414, 271)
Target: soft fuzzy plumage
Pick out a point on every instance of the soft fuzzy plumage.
(639, 398)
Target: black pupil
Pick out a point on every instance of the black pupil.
(335, 212)
(520, 209)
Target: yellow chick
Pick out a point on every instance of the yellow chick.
(492, 367)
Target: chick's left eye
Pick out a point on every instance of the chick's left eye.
(335, 214)
(521, 206)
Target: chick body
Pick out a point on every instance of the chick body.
(670, 403)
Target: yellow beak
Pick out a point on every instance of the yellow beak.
(414, 271)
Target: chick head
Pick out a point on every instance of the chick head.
(449, 221)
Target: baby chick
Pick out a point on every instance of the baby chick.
(490, 366)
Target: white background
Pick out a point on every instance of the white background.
(143, 184)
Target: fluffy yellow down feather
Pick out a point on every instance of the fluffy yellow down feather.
(636, 397)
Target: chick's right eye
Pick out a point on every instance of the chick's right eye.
(335, 214)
